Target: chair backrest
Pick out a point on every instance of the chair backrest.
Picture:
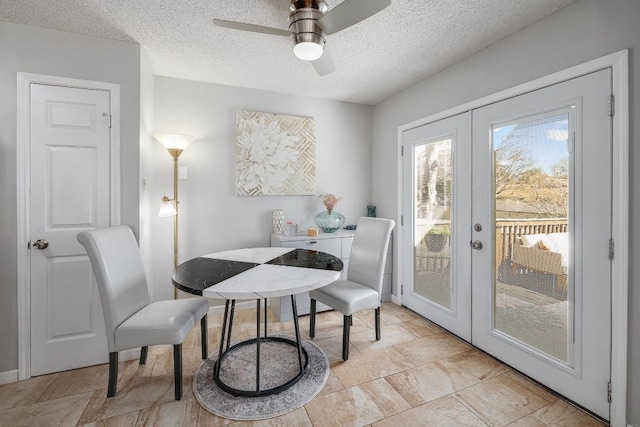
(369, 252)
(119, 272)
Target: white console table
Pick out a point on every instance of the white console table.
(337, 244)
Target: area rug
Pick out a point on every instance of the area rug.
(279, 362)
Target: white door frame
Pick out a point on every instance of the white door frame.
(619, 63)
(23, 141)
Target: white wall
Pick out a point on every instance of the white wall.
(585, 30)
(145, 235)
(42, 51)
(212, 217)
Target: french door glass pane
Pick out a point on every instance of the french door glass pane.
(432, 221)
(532, 212)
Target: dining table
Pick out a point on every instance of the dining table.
(257, 274)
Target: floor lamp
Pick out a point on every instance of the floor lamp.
(175, 145)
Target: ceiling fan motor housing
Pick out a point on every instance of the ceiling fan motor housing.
(303, 21)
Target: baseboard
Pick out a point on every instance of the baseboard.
(8, 377)
(245, 305)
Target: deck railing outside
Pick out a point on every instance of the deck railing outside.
(508, 231)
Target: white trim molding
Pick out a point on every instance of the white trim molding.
(23, 141)
(619, 64)
(8, 377)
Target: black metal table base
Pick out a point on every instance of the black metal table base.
(223, 353)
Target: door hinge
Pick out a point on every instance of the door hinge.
(612, 105)
(401, 220)
(108, 117)
(611, 249)
(609, 392)
(401, 289)
(402, 150)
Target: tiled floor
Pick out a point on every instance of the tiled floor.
(417, 375)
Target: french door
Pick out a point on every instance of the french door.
(435, 158)
(523, 269)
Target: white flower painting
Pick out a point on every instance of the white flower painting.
(275, 154)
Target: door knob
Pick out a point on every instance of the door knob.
(476, 244)
(41, 244)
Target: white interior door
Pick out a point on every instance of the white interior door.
(524, 187)
(436, 165)
(70, 192)
(542, 281)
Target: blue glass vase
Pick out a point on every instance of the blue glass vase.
(329, 221)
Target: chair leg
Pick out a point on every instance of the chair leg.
(312, 319)
(113, 373)
(378, 324)
(143, 354)
(177, 369)
(203, 337)
(345, 337)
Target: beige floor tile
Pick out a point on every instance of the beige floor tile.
(297, 418)
(371, 365)
(124, 420)
(432, 348)
(24, 392)
(65, 411)
(137, 394)
(504, 399)
(332, 347)
(479, 364)
(422, 327)
(432, 381)
(389, 335)
(528, 421)
(145, 393)
(186, 412)
(77, 381)
(356, 406)
(332, 384)
(444, 412)
(560, 413)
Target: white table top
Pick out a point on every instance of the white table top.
(258, 273)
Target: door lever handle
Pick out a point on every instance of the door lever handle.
(41, 244)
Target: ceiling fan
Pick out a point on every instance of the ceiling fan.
(310, 22)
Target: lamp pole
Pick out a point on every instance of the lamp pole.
(175, 145)
(175, 153)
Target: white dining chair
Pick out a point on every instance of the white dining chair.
(363, 287)
(130, 318)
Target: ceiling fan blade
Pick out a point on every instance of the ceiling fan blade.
(250, 27)
(324, 65)
(350, 12)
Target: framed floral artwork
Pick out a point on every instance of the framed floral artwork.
(275, 154)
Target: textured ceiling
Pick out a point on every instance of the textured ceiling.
(405, 43)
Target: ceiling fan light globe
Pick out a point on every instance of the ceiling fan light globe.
(307, 51)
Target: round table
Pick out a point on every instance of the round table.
(256, 273)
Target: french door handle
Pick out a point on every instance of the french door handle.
(476, 244)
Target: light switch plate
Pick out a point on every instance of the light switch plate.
(183, 172)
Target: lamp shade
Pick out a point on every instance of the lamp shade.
(307, 51)
(174, 140)
(167, 208)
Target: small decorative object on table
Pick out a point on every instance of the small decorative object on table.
(329, 221)
(278, 221)
(290, 228)
(371, 211)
